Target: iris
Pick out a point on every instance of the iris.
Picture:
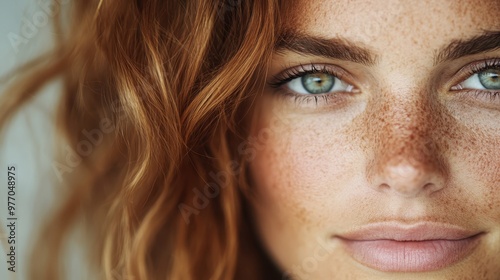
(318, 82)
(490, 78)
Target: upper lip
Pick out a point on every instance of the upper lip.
(408, 232)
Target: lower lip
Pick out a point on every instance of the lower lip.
(410, 256)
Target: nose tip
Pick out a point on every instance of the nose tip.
(408, 179)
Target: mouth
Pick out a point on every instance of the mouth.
(394, 247)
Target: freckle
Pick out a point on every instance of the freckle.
(302, 215)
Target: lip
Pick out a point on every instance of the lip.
(396, 247)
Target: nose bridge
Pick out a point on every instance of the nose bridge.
(406, 133)
(404, 136)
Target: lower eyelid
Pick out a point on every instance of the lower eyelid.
(317, 101)
(489, 99)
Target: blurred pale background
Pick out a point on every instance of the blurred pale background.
(27, 143)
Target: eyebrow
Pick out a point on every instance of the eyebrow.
(335, 48)
(486, 42)
(342, 49)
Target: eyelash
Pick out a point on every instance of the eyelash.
(481, 66)
(297, 72)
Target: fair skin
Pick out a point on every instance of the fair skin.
(405, 143)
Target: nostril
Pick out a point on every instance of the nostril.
(408, 179)
(430, 187)
(384, 187)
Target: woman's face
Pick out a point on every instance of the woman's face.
(377, 141)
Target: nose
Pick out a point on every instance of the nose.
(408, 179)
(406, 155)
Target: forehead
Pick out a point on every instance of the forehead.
(383, 24)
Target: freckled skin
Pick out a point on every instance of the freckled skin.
(402, 149)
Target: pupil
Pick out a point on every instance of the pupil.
(318, 82)
(490, 78)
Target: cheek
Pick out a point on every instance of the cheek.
(300, 171)
(477, 169)
(475, 160)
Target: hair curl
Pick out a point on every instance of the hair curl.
(175, 80)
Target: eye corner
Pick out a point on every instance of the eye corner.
(456, 87)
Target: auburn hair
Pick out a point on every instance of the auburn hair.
(165, 88)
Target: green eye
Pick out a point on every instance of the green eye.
(318, 83)
(490, 79)
(485, 76)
